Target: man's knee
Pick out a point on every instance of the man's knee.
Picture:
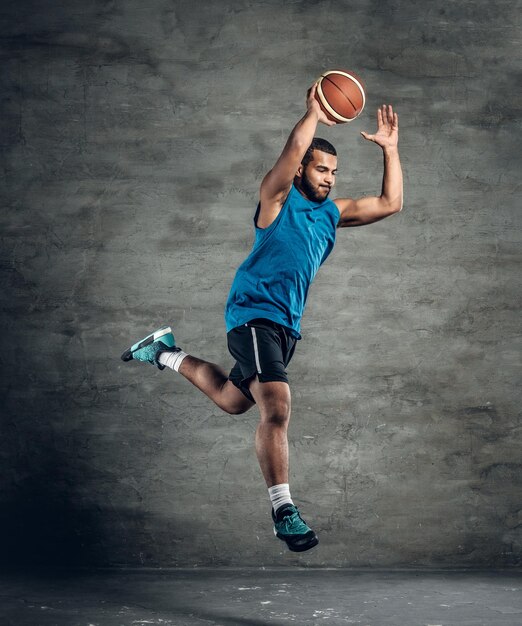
(276, 417)
(273, 400)
(274, 407)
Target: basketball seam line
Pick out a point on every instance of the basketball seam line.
(351, 77)
(337, 87)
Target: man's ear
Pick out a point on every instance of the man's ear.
(299, 172)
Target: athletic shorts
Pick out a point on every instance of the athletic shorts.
(263, 348)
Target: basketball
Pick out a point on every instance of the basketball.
(341, 96)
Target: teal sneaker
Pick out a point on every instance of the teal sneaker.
(289, 526)
(148, 349)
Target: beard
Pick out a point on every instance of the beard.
(316, 194)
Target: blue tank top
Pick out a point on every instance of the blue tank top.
(274, 279)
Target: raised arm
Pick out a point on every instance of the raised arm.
(277, 183)
(372, 209)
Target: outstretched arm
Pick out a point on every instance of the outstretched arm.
(371, 209)
(277, 183)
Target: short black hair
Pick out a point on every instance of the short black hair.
(318, 144)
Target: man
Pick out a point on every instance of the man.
(295, 229)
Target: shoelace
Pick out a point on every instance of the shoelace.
(295, 524)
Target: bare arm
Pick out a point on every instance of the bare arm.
(372, 209)
(277, 183)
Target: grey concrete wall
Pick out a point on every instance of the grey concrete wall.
(134, 138)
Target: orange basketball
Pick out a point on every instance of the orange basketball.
(341, 95)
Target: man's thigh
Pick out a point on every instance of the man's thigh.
(260, 354)
(273, 398)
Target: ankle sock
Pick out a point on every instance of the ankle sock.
(279, 495)
(172, 359)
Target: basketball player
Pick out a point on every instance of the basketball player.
(295, 228)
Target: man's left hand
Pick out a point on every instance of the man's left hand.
(387, 135)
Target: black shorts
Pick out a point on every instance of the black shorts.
(263, 348)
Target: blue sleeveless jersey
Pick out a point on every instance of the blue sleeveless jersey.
(274, 279)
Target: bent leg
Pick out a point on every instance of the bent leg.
(274, 402)
(214, 383)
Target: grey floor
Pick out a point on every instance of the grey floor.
(258, 597)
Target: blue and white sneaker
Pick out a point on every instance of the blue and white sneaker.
(290, 527)
(149, 348)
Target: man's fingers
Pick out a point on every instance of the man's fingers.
(379, 117)
(311, 92)
(366, 136)
(395, 121)
(384, 114)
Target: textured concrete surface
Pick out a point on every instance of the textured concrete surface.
(133, 140)
(254, 598)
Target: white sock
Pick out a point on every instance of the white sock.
(172, 359)
(279, 495)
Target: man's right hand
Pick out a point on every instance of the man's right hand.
(278, 182)
(312, 104)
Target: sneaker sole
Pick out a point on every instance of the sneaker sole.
(306, 546)
(158, 334)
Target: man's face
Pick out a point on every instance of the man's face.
(317, 179)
